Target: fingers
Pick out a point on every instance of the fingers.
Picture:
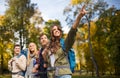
(83, 7)
(13, 59)
(83, 11)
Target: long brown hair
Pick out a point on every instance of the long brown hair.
(55, 41)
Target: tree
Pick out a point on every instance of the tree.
(18, 15)
(5, 39)
(111, 28)
(94, 8)
(34, 28)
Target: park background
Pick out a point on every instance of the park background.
(97, 44)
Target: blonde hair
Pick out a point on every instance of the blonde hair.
(35, 53)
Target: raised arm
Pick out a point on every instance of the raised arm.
(80, 15)
(69, 41)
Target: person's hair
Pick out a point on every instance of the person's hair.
(41, 34)
(17, 45)
(51, 32)
(55, 41)
(35, 53)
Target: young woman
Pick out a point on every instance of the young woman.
(31, 60)
(58, 65)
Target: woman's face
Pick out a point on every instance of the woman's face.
(56, 31)
(32, 47)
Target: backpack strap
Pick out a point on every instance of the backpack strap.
(62, 44)
(63, 47)
(19, 55)
(25, 52)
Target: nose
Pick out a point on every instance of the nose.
(43, 39)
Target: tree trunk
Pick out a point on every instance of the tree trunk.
(91, 51)
(21, 32)
(1, 65)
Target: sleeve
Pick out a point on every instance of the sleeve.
(21, 62)
(69, 41)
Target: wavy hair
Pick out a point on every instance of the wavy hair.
(55, 41)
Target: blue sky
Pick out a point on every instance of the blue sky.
(53, 9)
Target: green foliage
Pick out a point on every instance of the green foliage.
(76, 2)
(109, 29)
(18, 16)
(93, 8)
(33, 35)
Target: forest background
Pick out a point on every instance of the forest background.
(97, 44)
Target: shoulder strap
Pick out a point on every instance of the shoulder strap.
(19, 55)
(62, 44)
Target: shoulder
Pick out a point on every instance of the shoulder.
(22, 56)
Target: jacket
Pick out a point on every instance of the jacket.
(61, 64)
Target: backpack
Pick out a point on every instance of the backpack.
(71, 55)
(24, 52)
(21, 72)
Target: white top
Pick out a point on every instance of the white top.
(52, 59)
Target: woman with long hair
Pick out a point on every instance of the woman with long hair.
(54, 55)
(32, 57)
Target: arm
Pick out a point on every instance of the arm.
(10, 64)
(35, 68)
(44, 54)
(80, 15)
(72, 33)
(21, 62)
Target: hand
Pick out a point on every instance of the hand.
(83, 11)
(34, 70)
(36, 66)
(45, 65)
(16, 60)
(13, 59)
(10, 61)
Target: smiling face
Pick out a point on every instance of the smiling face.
(44, 40)
(17, 49)
(32, 47)
(56, 31)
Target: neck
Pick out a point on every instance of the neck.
(31, 52)
(16, 54)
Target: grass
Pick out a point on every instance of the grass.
(8, 76)
(94, 77)
(5, 76)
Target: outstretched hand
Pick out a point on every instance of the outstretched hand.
(80, 15)
(83, 11)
